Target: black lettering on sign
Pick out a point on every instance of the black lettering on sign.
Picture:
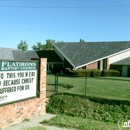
(31, 74)
(11, 82)
(21, 74)
(1, 76)
(10, 75)
(26, 87)
(20, 88)
(26, 74)
(27, 80)
(7, 90)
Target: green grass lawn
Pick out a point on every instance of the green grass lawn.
(103, 87)
(100, 116)
(79, 123)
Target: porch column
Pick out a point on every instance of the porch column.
(108, 66)
(101, 65)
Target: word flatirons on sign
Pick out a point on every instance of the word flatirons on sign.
(18, 80)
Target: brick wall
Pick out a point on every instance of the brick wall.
(92, 66)
(16, 112)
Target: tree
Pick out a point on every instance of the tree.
(81, 40)
(22, 45)
(39, 46)
(59, 42)
(49, 44)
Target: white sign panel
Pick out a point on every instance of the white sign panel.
(18, 80)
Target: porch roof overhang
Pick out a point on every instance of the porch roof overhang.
(125, 61)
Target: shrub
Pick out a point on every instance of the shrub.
(95, 73)
(106, 110)
(110, 73)
(83, 72)
(67, 70)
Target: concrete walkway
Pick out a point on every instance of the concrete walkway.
(35, 122)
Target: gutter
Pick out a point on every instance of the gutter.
(102, 58)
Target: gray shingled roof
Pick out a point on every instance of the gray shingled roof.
(6, 53)
(125, 61)
(24, 55)
(16, 54)
(79, 54)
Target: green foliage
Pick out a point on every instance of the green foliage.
(26, 119)
(81, 40)
(95, 73)
(22, 45)
(105, 110)
(110, 73)
(49, 44)
(39, 46)
(79, 72)
(84, 72)
(67, 70)
(59, 41)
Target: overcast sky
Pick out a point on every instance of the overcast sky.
(63, 20)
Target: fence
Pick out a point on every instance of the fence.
(67, 83)
(105, 87)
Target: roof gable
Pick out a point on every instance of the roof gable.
(82, 53)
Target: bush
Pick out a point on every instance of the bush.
(83, 72)
(95, 73)
(67, 70)
(106, 110)
(110, 73)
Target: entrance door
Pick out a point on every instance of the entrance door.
(124, 71)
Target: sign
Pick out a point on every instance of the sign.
(123, 124)
(18, 80)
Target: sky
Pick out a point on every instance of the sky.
(63, 20)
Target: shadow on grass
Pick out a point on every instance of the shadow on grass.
(98, 99)
(52, 88)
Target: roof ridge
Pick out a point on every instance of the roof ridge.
(7, 48)
(92, 42)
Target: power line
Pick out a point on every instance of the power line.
(71, 7)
